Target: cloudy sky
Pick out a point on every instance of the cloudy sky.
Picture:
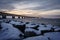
(44, 8)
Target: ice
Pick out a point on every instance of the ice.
(53, 35)
(37, 38)
(8, 31)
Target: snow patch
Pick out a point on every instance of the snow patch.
(8, 31)
(37, 38)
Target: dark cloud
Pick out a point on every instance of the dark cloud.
(6, 4)
(46, 4)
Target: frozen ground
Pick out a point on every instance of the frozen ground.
(32, 31)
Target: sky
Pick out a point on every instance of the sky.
(37, 8)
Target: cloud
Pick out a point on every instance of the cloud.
(30, 4)
(51, 12)
(24, 5)
(38, 7)
(47, 5)
(6, 4)
(36, 12)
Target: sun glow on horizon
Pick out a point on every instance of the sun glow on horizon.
(49, 12)
(24, 12)
(35, 13)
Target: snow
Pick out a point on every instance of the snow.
(53, 35)
(37, 38)
(41, 25)
(1, 20)
(40, 28)
(8, 31)
(32, 30)
(31, 25)
(43, 28)
(49, 25)
(56, 28)
(16, 23)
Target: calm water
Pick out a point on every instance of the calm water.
(38, 21)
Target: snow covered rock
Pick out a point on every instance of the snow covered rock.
(31, 32)
(37, 38)
(15, 23)
(32, 25)
(41, 25)
(53, 35)
(1, 21)
(49, 25)
(0, 26)
(27, 22)
(9, 32)
(42, 29)
(56, 28)
(19, 25)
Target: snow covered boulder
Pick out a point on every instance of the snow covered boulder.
(41, 25)
(9, 32)
(49, 25)
(56, 28)
(15, 23)
(19, 25)
(1, 21)
(27, 22)
(37, 38)
(32, 25)
(44, 29)
(53, 35)
(0, 27)
(29, 32)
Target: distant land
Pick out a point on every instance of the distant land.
(42, 16)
